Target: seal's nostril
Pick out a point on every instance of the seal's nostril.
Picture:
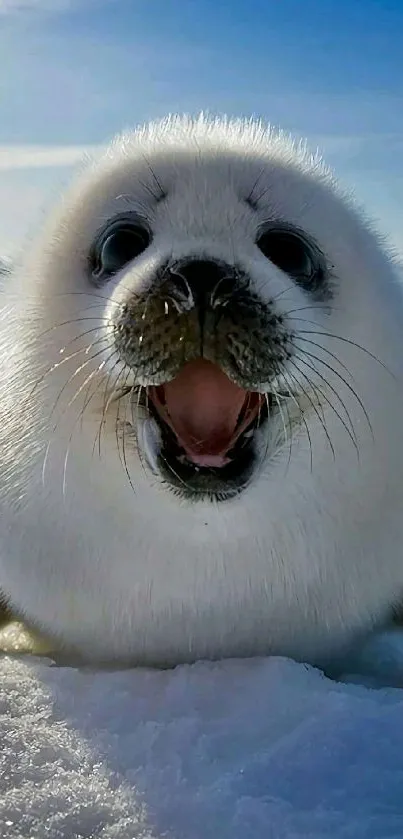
(200, 281)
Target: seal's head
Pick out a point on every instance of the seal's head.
(208, 249)
(208, 310)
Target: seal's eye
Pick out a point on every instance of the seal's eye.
(290, 252)
(298, 256)
(117, 245)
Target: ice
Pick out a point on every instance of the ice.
(256, 749)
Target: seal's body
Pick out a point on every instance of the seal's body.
(201, 407)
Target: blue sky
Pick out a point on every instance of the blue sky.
(75, 71)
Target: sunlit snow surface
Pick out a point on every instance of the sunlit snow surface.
(238, 750)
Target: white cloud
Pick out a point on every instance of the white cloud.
(9, 6)
(42, 157)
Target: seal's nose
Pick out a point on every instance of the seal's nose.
(202, 281)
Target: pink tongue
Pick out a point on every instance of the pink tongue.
(202, 406)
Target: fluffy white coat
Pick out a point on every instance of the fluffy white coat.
(309, 554)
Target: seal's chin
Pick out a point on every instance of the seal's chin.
(206, 425)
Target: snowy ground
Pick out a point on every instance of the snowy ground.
(260, 749)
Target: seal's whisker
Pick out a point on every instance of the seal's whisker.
(70, 322)
(77, 371)
(329, 367)
(56, 425)
(79, 336)
(289, 377)
(98, 371)
(264, 454)
(45, 462)
(287, 436)
(90, 376)
(325, 350)
(345, 341)
(139, 451)
(107, 402)
(315, 408)
(83, 350)
(280, 371)
(55, 295)
(351, 433)
(328, 385)
(122, 450)
(79, 420)
(322, 307)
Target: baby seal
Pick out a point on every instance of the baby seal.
(201, 407)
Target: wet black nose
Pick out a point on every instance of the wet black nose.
(203, 281)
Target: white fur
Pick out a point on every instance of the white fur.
(304, 558)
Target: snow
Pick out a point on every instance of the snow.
(262, 749)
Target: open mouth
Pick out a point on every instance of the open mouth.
(207, 425)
